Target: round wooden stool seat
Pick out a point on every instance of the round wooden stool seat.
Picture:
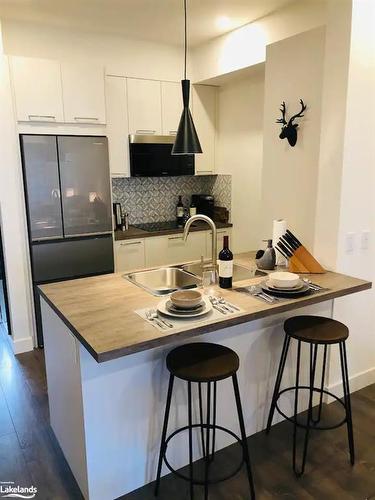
(316, 329)
(202, 362)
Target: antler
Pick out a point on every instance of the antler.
(282, 109)
(298, 115)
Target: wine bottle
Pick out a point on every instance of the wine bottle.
(180, 212)
(225, 265)
(192, 209)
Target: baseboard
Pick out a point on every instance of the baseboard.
(21, 345)
(356, 382)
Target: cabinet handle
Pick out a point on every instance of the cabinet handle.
(85, 118)
(175, 237)
(130, 243)
(145, 131)
(40, 117)
(173, 132)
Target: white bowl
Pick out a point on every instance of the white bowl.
(283, 279)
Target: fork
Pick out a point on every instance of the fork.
(151, 317)
(254, 290)
(312, 286)
(157, 316)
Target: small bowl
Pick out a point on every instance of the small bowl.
(186, 299)
(284, 279)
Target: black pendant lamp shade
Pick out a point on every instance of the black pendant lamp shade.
(186, 142)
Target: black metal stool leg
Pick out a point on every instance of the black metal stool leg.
(207, 454)
(313, 357)
(295, 428)
(243, 436)
(348, 408)
(213, 423)
(164, 433)
(201, 418)
(315, 421)
(279, 376)
(190, 419)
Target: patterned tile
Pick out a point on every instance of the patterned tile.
(153, 199)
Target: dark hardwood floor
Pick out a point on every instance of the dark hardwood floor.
(30, 455)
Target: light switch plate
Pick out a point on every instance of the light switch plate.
(350, 242)
(365, 240)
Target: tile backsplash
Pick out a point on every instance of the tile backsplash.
(154, 199)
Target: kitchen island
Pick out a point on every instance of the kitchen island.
(107, 379)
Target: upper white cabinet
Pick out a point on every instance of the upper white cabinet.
(144, 106)
(37, 89)
(204, 114)
(117, 126)
(49, 91)
(171, 99)
(83, 93)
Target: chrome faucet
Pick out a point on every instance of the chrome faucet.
(212, 224)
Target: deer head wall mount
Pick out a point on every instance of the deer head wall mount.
(289, 129)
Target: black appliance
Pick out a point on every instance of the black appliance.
(69, 211)
(151, 156)
(205, 204)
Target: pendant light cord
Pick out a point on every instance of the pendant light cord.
(185, 10)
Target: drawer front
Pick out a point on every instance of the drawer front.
(171, 249)
(130, 255)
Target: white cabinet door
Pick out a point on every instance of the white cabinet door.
(144, 106)
(129, 255)
(83, 91)
(171, 102)
(171, 249)
(117, 126)
(220, 240)
(37, 89)
(204, 115)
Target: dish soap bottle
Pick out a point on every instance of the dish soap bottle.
(266, 259)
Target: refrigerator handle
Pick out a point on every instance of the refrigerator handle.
(103, 233)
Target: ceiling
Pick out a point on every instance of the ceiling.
(153, 20)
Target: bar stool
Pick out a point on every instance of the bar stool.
(316, 331)
(203, 363)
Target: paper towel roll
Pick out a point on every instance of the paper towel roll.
(279, 228)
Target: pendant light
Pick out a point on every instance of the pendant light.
(186, 142)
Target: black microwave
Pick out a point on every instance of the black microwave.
(151, 156)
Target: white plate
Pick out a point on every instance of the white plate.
(297, 287)
(163, 310)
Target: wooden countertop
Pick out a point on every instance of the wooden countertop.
(135, 232)
(100, 310)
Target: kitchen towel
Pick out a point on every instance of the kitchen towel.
(279, 229)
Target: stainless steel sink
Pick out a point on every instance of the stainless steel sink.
(164, 280)
(239, 272)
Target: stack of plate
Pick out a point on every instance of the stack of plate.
(287, 285)
(185, 304)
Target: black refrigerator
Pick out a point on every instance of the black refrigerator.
(68, 202)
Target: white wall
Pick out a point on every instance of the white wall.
(357, 206)
(120, 55)
(12, 213)
(240, 152)
(334, 99)
(246, 46)
(294, 69)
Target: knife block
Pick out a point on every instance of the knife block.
(303, 262)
